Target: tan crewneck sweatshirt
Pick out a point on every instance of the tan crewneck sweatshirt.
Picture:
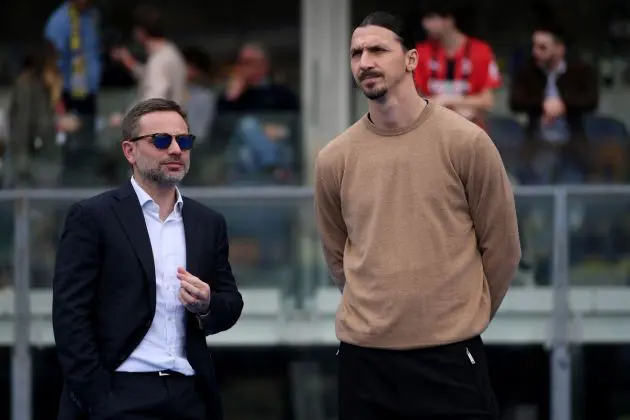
(418, 227)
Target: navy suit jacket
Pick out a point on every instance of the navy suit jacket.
(104, 294)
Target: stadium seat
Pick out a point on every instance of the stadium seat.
(609, 139)
(509, 137)
(604, 128)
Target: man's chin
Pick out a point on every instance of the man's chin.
(375, 95)
(173, 178)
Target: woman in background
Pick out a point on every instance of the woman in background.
(37, 122)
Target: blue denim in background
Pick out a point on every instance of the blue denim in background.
(257, 153)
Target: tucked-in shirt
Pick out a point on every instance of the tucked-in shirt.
(163, 346)
(419, 229)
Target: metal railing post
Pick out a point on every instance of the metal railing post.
(561, 383)
(21, 377)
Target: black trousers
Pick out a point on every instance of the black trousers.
(148, 396)
(449, 382)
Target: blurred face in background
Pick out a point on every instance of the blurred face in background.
(252, 64)
(437, 26)
(378, 60)
(547, 50)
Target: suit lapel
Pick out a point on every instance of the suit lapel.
(129, 213)
(193, 236)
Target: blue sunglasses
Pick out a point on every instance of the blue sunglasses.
(163, 141)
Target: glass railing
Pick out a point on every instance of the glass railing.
(599, 239)
(7, 244)
(274, 242)
(574, 240)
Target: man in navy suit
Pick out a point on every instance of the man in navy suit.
(142, 277)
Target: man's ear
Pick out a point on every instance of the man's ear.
(412, 60)
(127, 149)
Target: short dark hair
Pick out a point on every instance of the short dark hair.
(198, 57)
(552, 28)
(130, 121)
(394, 24)
(150, 19)
(458, 10)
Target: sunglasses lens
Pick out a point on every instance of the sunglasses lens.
(185, 141)
(162, 141)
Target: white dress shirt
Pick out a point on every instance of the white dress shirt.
(163, 346)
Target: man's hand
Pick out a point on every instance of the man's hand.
(552, 109)
(194, 293)
(121, 54)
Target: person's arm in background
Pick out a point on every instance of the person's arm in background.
(124, 56)
(493, 213)
(75, 285)
(330, 223)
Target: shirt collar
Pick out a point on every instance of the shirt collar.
(561, 69)
(145, 198)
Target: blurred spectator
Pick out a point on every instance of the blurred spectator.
(555, 93)
(200, 99)
(255, 135)
(73, 28)
(200, 104)
(250, 86)
(455, 70)
(164, 74)
(34, 150)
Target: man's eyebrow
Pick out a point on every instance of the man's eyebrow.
(370, 48)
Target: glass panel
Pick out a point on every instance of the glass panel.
(7, 226)
(266, 241)
(46, 221)
(599, 240)
(535, 218)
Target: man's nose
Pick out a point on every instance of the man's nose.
(366, 61)
(174, 148)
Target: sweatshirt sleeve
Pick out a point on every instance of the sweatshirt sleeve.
(493, 212)
(330, 223)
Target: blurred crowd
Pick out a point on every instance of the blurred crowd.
(247, 124)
